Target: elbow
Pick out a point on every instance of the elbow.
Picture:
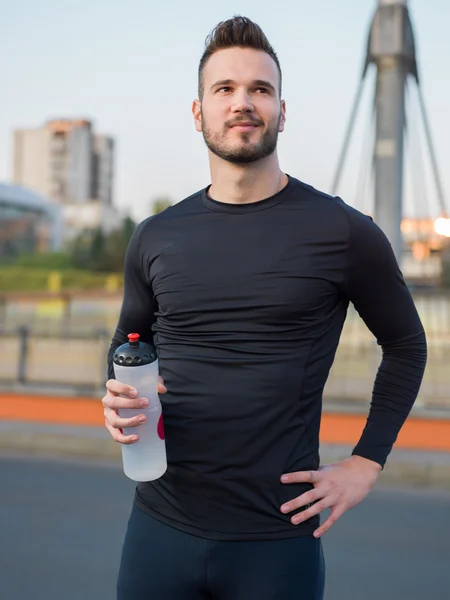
(411, 351)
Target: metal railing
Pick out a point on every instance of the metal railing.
(41, 350)
(45, 360)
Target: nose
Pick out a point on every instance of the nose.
(242, 102)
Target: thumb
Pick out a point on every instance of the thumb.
(161, 387)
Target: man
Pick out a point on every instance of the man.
(243, 288)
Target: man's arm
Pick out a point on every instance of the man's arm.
(137, 313)
(376, 287)
(378, 291)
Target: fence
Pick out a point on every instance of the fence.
(64, 342)
(47, 360)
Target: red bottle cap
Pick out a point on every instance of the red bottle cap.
(133, 337)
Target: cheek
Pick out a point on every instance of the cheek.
(214, 119)
(268, 112)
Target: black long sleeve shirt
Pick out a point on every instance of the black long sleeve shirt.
(245, 305)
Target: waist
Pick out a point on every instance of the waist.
(224, 505)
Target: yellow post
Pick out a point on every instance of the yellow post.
(54, 282)
(112, 283)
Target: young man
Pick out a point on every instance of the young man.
(243, 288)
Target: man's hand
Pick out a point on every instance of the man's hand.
(118, 395)
(339, 486)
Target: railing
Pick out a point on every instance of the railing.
(69, 349)
(43, 360)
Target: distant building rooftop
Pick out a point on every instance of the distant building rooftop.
(24, 200)
(18, 195)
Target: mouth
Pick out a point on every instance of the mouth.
(245, 126)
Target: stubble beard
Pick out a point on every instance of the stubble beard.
(246, 152)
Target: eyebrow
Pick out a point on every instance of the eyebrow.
(257, 82)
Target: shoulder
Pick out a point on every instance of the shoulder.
(181, 208)
(342, 223)
(308, 191)
(333, 210)
(366, 240)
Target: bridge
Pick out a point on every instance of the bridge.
(391, 141)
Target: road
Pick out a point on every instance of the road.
(62, 524)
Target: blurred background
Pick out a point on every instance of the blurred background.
(96, 134)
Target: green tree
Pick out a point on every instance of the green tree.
(128, 227)
(159, 204)
(97, 251)
(117, 244)
(80, 250)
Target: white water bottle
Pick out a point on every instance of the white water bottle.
(136, 364)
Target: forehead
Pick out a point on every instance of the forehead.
(241, 65)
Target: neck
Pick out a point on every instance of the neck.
(245, 183)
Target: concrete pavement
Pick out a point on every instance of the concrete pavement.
(62, 526)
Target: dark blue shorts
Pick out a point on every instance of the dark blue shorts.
(163, 563)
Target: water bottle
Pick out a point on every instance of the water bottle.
(136, 364)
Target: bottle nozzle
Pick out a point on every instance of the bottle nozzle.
(134, 338)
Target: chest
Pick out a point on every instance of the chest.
(269, 271)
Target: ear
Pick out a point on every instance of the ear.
(197, 113)
(283, 116)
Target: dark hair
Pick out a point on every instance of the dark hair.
(236, 32)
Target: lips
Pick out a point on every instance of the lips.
(245, 124)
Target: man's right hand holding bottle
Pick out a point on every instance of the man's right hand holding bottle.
(119, 395)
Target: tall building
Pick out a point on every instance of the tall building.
(103, 169)
(65, 161)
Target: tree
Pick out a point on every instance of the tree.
(91, 249)
(80, 249)
(98, 251)
(117, 244)
(161, 203)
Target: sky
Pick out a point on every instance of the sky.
(131, 67)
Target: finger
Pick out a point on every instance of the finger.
(314, 510)
(303, 500)
(120, 422)
(301, 477)
(336, 513)
(161, 387)
(119, 437)
(116, 387)
(116, 402)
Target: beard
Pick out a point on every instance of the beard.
(246, 151)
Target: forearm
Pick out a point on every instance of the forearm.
(395, 390)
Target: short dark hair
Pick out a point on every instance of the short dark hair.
(236, 32)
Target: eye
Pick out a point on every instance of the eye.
(262, 90)
(224, 89)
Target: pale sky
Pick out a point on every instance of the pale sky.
(131, 67)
